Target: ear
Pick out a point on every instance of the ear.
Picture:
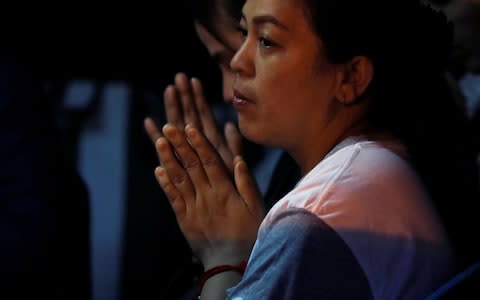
(356, 76)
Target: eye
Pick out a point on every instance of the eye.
(266, 43)
(242, 31)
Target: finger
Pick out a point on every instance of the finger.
(234, 139)
(173, 108)
(210, 128)
(213, 165)
(179, 206)
(247, 186)
(152, 130)
(177, 175)
(189, 159)
(173, 194)
(184, 89)
(207, 118)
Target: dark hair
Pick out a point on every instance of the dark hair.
(205, 12)
(409, 44)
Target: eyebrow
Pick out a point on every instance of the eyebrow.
(222, 40)
(262, 19)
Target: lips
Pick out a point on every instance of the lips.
(240, 99)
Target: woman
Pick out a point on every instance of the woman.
(320, 80)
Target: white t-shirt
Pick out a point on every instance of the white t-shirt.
(360, 224)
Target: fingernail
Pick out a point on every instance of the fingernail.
(160, 172)
(242, 166)
(230, 126)
(190, 130)
(161, 143)
(240, 163)
(169, 130)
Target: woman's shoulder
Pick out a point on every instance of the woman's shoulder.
(358, 179)
(361, 159)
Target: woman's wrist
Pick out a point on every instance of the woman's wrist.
(230, 255)
(213, 271)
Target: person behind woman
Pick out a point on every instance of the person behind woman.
(362, 114)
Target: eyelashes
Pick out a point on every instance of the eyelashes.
(266, 43)
(242, 31)
(262, 41)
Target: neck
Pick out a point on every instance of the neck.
(318, 146)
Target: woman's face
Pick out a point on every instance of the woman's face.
(284, 86)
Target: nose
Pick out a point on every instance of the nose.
(242, 62)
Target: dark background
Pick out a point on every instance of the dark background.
(143, 45)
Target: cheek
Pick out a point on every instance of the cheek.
(283, 76)
(288, 101)
(280, 93)
(277, 105)
(288, 88)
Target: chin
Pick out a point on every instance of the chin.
(255, 134)
(250, 131)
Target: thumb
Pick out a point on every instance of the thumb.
(247, 186)
(234, 139)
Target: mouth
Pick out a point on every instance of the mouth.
(240, 99)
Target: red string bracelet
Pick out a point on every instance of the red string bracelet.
(240, 268)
